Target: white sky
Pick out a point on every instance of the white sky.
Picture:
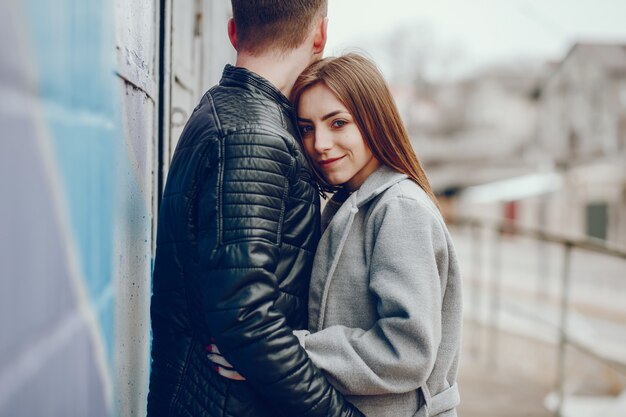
(471, 33)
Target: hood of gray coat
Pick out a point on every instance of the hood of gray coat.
(377, 183)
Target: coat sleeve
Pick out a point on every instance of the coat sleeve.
(398, 353)
(239, 285)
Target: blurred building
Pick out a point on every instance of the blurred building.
(545, 147)
(582, 131)
(474, 131)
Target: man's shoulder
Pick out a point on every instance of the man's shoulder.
(238, 110)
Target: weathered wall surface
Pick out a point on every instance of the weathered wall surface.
(77, 163)
(82, 145)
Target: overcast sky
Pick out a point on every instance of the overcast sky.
(466, 34)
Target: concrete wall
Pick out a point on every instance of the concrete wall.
(78, 155)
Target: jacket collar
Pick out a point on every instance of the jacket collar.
(244, 78)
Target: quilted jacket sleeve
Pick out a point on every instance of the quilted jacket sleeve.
(239, 283)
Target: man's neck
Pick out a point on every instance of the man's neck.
(281, 70)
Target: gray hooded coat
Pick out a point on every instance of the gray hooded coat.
(385, 301)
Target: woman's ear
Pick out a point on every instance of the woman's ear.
(319, 38)
(232, 32)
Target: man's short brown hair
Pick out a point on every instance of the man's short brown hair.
(280, 24)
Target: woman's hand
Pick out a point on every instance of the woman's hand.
(221, 365)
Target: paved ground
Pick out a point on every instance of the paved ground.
(527, 312)
(487, 393)
(501, 383)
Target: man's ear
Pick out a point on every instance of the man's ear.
(232, 32)
(319, 38)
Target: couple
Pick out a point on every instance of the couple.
(244, 263)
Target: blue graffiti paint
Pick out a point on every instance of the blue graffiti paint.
(74, 52)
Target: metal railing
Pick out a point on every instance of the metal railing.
(494, 308)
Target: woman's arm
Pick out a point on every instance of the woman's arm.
(398, 353)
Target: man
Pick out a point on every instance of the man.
(238, 227)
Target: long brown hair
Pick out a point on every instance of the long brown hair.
(357, 82)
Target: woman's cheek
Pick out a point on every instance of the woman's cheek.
(309, 148)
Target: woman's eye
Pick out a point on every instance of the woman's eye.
(339, 123)
(305, 129)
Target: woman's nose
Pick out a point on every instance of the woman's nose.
(323, 141)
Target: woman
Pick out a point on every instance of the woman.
(385, 293)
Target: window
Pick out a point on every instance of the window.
(597, 218)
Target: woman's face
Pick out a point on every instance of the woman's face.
(332, 139)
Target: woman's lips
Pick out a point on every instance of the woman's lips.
(327, 163)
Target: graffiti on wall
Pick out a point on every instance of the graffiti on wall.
(76, 157)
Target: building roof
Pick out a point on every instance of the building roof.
(611, 56)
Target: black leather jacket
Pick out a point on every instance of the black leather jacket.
(238, 227)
